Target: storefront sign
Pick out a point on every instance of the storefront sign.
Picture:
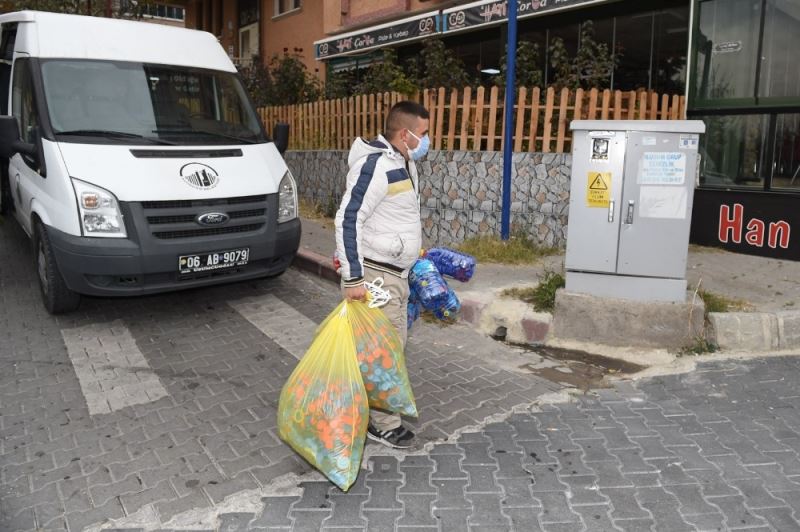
(727, 47)
(495, 11)
(371, 38)
(747, 222)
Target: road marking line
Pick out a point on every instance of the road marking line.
(280, 321)
(112, 372)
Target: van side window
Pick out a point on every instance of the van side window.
(7, 39)
(23, 103)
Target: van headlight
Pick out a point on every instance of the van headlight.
(287, 198)
(99, 211)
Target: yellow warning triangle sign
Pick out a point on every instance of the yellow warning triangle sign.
(598, 183)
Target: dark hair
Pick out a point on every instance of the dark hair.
(401, 115)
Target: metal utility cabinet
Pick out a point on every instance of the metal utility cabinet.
(630, 207)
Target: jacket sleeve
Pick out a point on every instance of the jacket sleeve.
(366, 188)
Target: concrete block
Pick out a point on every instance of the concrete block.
(788, 329)
(472, 309)
(623, 322)
(522, 324)
(744, 330)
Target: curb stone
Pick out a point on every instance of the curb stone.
(767, 331)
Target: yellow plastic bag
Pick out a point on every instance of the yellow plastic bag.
(323, 412)
(381, 359)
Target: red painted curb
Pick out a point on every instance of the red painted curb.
(316, 264)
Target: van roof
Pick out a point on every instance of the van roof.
(58, 35)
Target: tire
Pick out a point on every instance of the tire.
(6, 202)
(56, 296)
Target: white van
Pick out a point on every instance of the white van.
(135, 161)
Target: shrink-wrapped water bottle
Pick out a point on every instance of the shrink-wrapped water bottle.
(413, 312)
(426, 281)
(450, 309)
(452, 263)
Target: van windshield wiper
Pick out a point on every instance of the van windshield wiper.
(185, 131)
(112, 134)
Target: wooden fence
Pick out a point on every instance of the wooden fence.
(471, 119)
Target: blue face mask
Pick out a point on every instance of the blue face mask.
(422, 148)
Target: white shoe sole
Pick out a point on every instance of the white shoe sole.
(387, 443)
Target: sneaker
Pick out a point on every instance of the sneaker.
(399, 438)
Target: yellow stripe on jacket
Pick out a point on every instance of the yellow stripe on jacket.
(399, 187)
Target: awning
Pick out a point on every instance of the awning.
(404, 30)
(461, 18)
(489, 12)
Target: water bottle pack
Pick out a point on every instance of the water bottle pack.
(449, 311)
(428, 289)
(452, 263)
(426, 281)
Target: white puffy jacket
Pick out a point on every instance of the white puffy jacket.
(378, 219)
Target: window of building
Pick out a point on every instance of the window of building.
(284, 6)
(162, 11)
(670, 37)
(779, 76)
(745, 63)
(734, 150)
(248, 12)
(786, 170)
(633, 41)
(727, 51)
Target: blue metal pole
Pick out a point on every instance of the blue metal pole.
(511, 60)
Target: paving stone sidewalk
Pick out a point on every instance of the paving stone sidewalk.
(87, 437)
(718, 449)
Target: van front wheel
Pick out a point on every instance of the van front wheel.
(57, 297)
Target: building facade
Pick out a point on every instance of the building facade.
(732, 58)
(745, 85)
(262, 28)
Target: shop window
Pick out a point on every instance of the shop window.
(780, 77)
(734, 151)
(670, 35)
(727, 51)
(786, 170)
(569, 33)
(284, 6)
(633, 44)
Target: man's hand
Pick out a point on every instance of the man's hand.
(356, 293)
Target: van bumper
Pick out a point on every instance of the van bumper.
(122, 267)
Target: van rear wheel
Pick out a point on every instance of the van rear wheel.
(6, 203)
(56, 296)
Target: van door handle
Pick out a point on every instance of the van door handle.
(611, 211)
(629, 217)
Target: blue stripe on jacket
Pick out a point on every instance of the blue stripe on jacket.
(351, 214)
(397, 175)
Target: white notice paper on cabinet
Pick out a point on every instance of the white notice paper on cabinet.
(662, 202)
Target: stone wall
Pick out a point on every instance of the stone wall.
(462, 192)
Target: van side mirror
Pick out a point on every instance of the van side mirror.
(9, 134)
(10, 143)
(280, 135)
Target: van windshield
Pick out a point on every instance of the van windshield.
(140, 103)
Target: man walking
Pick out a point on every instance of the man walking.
(378, 229)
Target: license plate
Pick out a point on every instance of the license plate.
(218, 260)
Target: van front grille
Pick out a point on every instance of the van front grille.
(208, 231)
(185, 218)
(177, 219)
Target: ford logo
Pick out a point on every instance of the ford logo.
(213, 218)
